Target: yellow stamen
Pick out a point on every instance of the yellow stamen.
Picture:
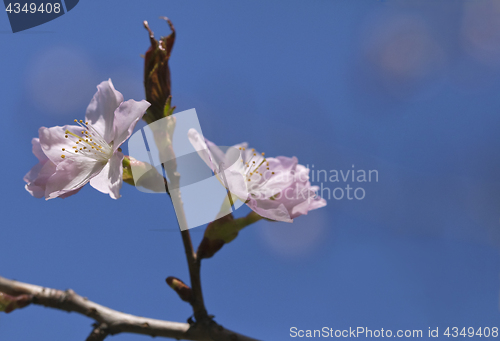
(260, 164)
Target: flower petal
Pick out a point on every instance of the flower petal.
(37, 149)
(283, 163)
(200, 145)
(218, 156)
(70, 193)
(36, 190)
(306, 206)
(37, 179)
(70, 175)
(52, 141)
(280, 174)
(33, 173)
(266, 210)
(126, 117)
(31, 187)
(235, 182)
(110, 179)
(101, 110)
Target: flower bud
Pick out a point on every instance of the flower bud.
(222, 231)
(149, 176)
(9, 303)
(184, 292)
(157, 75)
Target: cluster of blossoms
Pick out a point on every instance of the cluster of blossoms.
(73, 155)
(275, 188)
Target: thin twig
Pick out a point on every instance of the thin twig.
(198, 304)
(199, 310)
(115, 321)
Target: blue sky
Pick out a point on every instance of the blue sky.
(407, 88)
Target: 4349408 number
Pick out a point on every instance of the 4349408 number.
(471, 332)
(33, 8)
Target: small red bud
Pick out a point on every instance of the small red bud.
(157, 74)
(9, 303)
(184, 292)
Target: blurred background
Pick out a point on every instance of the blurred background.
(408, 88)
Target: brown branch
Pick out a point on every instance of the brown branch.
(198, 304)
(200, 312)
(112, 322)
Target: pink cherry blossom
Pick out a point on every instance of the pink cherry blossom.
(72, 155)
(275, 188)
